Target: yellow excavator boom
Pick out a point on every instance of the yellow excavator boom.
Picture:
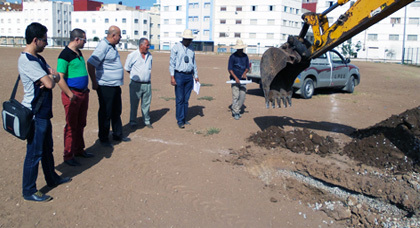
(280, 66)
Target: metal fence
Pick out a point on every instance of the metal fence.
(412, 56)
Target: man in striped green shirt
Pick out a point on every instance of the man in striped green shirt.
(75, 96)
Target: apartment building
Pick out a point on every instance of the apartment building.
(56, 16)
(133, 24)
(387, 39)
(218, 24)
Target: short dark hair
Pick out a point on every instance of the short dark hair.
(141, 41)
(33, 30)
(76, 33)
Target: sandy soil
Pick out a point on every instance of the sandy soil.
(168, 177)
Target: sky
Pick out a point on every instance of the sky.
(144, 4)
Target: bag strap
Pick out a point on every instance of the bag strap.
(40, 100)
(15, 88)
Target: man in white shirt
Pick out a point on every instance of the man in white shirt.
(183, 71)
(139, 65)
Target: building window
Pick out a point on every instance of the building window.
(393, 36)
(412, 37)
(252, 35)
(271, 8)
(270, 35)
(178, 34)
(93, 20)
(166, 21)
(270, 22)
(166, 34)
(166, 8)
(222, 21)
(136, 32)
(144, 33)
(239, 21)
(77, 20)
(178, 21)
(136, 21)
(59, 31)
(178, 8)
(253, 21)
(207, 5)
(373, 37)
(239, 8)
(237, 35)
(206, 32)
(94, 31)
(297, 11)
(106, 20)
(222, 34)
(124, 32)
(145, 22)
(206, 18)
(223, 8)
(395, 20)
(413, 20)
(124, 20)
(253, 8)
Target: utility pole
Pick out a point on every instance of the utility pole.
(403, 46)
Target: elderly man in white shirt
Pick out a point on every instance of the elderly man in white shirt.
(139, 65)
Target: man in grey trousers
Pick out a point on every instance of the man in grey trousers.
(139, 65)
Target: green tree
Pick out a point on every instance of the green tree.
(350, 49)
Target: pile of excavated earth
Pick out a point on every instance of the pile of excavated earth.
(371, 181)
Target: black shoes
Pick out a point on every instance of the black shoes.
(85, 155)
(72, 162)
(38, 197)
(121, 139)
(61, 181)
(181, 126)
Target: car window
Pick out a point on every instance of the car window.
(335, 58)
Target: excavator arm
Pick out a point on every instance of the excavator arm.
(280, 66)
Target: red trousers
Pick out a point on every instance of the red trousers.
(76, 113)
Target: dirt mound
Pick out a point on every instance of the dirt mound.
(380, 164)
(393, 144)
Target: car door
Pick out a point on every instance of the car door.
(323, 70)
(340, 69)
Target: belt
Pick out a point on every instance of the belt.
(79, 90)
(189, 72)
(140, 82)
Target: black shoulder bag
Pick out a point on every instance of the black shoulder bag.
(18, 119)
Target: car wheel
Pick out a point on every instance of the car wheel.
(308, 88)
(350, 84)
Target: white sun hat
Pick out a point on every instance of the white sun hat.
(239, 44)
(187, 34)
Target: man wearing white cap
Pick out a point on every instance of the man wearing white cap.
(238, 67)
(183, 67)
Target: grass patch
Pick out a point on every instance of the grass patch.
(212, 131)
(207, 98)
(167, 98)
(206, 84)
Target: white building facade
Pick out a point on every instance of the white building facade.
(218, 24)
(133, 24)
(386, 39)
(56, 16)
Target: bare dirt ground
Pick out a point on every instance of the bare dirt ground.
(336, 160)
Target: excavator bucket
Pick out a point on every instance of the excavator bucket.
(279, 68)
